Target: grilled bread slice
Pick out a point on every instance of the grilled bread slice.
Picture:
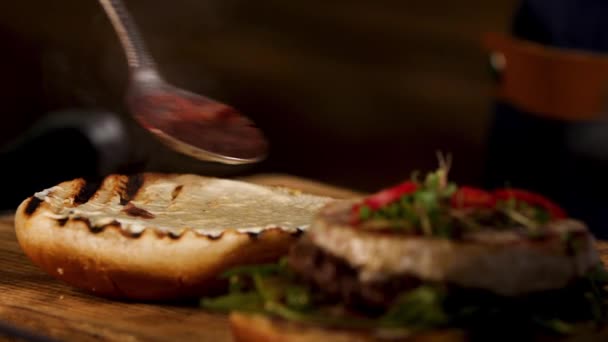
(156, 236)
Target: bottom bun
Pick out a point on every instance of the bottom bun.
(254, 328)
(257, 327)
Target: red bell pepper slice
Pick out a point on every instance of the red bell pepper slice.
(390, 195)
(533, 199)
(383, 198)
(470, 197)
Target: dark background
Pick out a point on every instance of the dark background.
(356, 93)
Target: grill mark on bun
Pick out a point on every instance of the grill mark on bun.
(114, 223)
(134, 183)
(87, 190)
(117, 225)
(160, 234)
(175, 236)
(215, 237)
(32, 205)
(135, 211)
(135, 235)
(97, 229)
(178, 190)
(100, 229)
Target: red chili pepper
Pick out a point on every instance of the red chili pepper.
(470, 197)
(384, 197)
(533, 199)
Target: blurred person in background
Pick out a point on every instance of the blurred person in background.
(549, 131)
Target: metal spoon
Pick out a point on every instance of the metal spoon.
(189, 123)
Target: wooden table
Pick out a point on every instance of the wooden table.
(34, 302)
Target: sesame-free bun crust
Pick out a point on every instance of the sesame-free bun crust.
(158, 237)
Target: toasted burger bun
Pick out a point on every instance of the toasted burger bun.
(503, 262)
(158, 237)
(255, 328)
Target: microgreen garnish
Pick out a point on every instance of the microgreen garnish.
(436, 207)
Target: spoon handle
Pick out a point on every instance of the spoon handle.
(132, 42)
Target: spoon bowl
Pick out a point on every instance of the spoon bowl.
(188, 123)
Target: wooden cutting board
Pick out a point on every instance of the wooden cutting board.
(35, 303)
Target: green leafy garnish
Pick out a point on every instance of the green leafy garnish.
(272, 289)
(261, 269)
(421, 307)
(554, 325)
(542, 216)
(598, 274)
(364, 213)
(246, 302)
(298, 297)
(597, 279)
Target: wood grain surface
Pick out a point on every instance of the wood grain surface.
(37, 304)
(36, 307)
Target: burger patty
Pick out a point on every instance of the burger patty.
(339, 280)
(501, 261)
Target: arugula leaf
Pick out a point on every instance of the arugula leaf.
(236, 283)
(541, 215)
(598, 274)
(554, 325)
(393, 210)
(433, 179)
(421, 307)
(427, 199)
(364, 212)
(596, 296)
(248, 302)
(250, 270)
(269, 288)
(273, 289)
(298, 297)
